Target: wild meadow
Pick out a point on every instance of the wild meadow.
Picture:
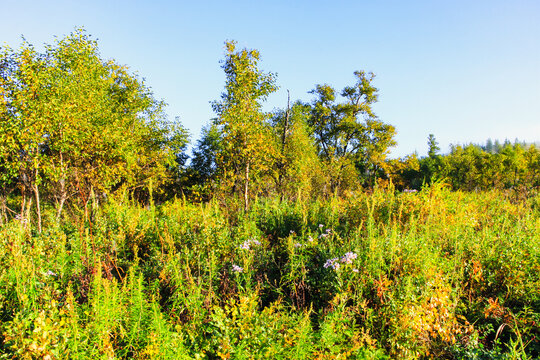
(375, 275)
(285, 235)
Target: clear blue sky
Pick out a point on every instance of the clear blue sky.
(462, 70)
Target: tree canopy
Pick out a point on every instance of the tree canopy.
(75, 125)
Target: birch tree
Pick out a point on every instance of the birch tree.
(248, 149)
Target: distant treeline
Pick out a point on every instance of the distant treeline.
(75, 128)
(473, 167)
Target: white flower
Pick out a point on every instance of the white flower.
(237, 268)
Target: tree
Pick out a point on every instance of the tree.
(203, 169)
(489, 146)
(22, 131)
(80, 125)
(349, 134)
(248, 149)
(433, 147)
(298, 168)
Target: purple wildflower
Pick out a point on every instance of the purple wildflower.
(349, 257)
(237, 268)
(246, 245)
(332, 263)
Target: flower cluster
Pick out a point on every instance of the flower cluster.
(50, 273)
(237, 268)
(349, 257)
(246, 245)
(335, 263)
(23, 220)
(325, 234)
(332, 263)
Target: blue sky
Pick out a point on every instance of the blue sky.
(462, 70)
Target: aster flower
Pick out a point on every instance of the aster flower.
(246, 245)
(237, 268)
(332, 263)
(349, 257)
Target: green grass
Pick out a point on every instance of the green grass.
(437, 274)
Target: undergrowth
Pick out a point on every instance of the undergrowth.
(433, 274)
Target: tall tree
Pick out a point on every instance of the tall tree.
(349, 133)
(433, 146)
(247, 150)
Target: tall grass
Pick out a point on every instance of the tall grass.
(433, 274)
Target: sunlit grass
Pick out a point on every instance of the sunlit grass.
(433, 274)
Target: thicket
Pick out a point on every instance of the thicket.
(508, 167)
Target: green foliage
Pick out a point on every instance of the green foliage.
(433, 274)
(246, 150)
(299, 171)
(78, 126)
(349, 134)
(512, 167)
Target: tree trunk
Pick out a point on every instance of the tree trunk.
(23, 204)
(38, 207)
(283, 143)
(3, 215)
(61, 199)
(246, 188)
(63, 192)
(26, 218)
